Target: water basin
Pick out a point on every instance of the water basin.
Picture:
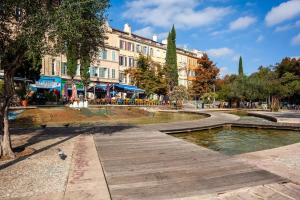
(232, 141)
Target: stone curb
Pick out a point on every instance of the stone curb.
(86, 179)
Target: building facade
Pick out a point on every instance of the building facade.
(121, 52)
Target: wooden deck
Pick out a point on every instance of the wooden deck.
(142, 164)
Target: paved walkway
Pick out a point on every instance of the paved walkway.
(280, 117)
(144, 163)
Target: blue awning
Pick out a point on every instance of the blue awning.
(101, 86)
(130, 88)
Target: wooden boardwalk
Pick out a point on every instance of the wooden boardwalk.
(153, 165)
(143, 163)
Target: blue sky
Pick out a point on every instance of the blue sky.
(261, 31)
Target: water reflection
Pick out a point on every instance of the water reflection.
(241, 140)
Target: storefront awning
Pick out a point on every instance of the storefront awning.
(129, 88)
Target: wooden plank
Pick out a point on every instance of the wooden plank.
(142, 166)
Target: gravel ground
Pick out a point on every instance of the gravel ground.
(43, 172)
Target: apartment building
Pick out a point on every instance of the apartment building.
(122, 49)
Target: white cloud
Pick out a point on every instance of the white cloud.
(260, 38)
(242, 23)
(148, 32)
(220, 52)
(288, 27)
(182, 13)
(296, 40)
(285, 11)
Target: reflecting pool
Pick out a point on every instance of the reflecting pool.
(231, 141)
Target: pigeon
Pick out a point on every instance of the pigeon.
(61, 154)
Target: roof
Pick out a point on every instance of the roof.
(157, 44)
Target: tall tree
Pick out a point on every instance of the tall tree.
(148, 76)
(241, 69)
(26, 25)
(205, 76)
(23, 25)
(171, 70)
(79, 29)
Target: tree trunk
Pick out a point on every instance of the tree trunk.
(275, 104)
(7, 96)
(6, 140)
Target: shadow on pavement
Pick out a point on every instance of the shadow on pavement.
(39, 135)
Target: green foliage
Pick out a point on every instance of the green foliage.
(78, 29)
(241, 69)
(171, 70)
(209, 97)
(178, 95)
(71, 60)
(279, 82)
(30, 67)
(148, 76)
(84, 70)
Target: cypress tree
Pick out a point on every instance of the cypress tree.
(171, 61)
(241, 70)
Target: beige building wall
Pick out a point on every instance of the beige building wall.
(122, 49)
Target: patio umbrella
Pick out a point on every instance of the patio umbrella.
(66, 90)
(74, 92)
(108, 91)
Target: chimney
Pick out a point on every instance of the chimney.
(127, 29)
(165, 41)
(154, 38)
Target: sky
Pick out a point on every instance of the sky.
(261, 31)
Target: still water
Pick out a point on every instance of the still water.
(241, 140)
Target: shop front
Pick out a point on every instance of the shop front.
(46, 89)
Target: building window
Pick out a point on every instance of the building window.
(93, 72)
(64, 68)
(113, 73)
(125, 61)
(122, 77)
(138, 48)
(113, 55)
(130, 62)
(102, 72)
(151, 51)
(145, 50)
(122, 44)
(103, 54)
(121, 60)
(130, 46)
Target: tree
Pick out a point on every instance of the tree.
(178, 95)
(79, 29)
(148, 75)
(171, 71)
(26, 25)
(205, 77)
(241, 69)
(23, 25)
